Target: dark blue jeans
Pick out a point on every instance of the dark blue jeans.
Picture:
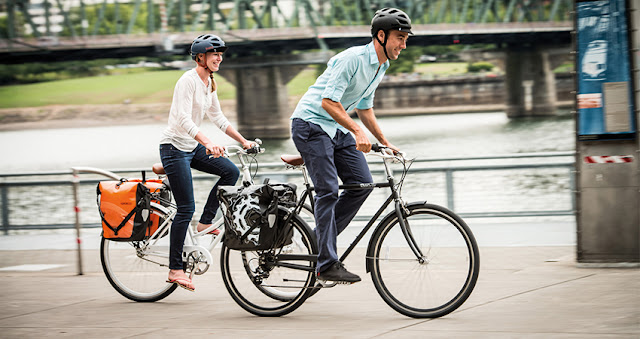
(327, 160)
(177, 164)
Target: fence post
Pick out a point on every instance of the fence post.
(76, 206)
(449, 183)
(5, 209)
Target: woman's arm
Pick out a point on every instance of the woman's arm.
(230, 131)
(217, 117)
(212, 148)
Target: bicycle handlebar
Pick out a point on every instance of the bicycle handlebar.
(256, 149)
(388, 153)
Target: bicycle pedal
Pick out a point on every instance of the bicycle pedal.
(330, 283)
(326, 283)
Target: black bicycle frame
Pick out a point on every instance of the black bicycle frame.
(400, 213)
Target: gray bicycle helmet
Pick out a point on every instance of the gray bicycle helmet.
(207, 43)
(388, 19)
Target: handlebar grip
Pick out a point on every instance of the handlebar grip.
(255, 150)
(376, 148)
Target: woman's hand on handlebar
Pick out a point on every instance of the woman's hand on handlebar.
(248, 144)
(214, 150)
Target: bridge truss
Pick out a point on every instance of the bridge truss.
(86, 18)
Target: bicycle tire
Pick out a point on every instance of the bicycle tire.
(266, 297)
(306, 213)
(135, 275)
(444, 278)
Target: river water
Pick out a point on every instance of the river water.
(425, 136)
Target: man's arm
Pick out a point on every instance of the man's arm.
(369, 120)
(337, 112)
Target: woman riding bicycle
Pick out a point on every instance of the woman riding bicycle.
(183, 146)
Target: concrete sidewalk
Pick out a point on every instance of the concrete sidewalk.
(523, 292)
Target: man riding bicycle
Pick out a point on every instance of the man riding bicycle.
(321, 126)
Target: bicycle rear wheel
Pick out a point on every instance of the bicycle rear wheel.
(136, 274)
(261, 284)
(437, 282)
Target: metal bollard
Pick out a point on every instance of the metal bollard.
(76, 206)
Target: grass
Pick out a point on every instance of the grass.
(140, 88)
(442, 68)
(151, 87)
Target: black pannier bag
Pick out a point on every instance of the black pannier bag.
(252, 220)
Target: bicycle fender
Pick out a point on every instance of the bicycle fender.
(387, 218)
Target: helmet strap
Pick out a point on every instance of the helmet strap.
(204, 64)
(384, 44)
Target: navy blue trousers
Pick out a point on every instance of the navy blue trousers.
(177, 164)
(327, 160)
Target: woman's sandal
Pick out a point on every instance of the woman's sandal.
(215, 231)
(187, 284)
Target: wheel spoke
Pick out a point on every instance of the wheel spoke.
(139, 277)
(439, 283)
(265, 286)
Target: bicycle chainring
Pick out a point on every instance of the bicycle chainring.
(197, 263)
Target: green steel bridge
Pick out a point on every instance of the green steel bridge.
(263, 34)
(71, 29)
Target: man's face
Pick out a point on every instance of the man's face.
(396, 43)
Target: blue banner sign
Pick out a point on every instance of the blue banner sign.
(605, 89)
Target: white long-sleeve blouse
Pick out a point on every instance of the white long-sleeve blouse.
(192, 99)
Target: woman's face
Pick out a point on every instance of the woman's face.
(213, 60)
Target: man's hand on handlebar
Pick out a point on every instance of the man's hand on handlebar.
(389, 149)
(362, 142)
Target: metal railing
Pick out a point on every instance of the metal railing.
(511, 185)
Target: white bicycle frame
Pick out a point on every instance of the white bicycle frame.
(194, 240)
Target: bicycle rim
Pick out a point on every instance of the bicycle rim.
(137, 275)
(442, 279)
(268, 290)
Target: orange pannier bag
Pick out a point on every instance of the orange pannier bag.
(125, 208)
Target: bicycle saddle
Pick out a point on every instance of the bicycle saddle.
(293, 160)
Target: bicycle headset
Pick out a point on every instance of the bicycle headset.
(206, 43)
(388, 19)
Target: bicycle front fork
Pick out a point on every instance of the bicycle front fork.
(402, 214)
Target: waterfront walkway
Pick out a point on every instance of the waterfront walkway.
(522, 292)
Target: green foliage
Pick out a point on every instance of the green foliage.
(566, 67)
(479, 67)
(406, 61)
(38, 72)
(115, 19)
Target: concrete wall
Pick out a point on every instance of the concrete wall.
(408, 96)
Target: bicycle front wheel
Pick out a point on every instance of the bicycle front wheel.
(264, 284)
(137, 274)
(438, 276)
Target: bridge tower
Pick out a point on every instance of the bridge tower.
(529, 82)
(261, 86)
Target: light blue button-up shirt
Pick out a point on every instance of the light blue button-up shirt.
(351, 78)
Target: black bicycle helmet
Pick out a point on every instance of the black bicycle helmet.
(388, 19)
(207, 43)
